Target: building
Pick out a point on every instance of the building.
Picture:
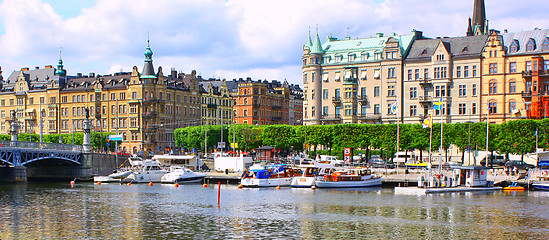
(265, 103)
(515, 75)
(354, 80)
(447, 70)
(145, 108)
(217, 102)
(479, 24)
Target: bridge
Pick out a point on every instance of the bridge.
(35, 153)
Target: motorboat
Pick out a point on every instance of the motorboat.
(308, 173)
(180, 174)
(541, 185)
(349, 178)
(514, 187)
(116, 176)
(275, 175)
(144, 171)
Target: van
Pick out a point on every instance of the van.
(401, 158)
(330, 159)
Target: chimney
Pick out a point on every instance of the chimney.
(504, 30)
(92, 75)
(49, 67)
(25, 69)
(79, 75)
(36, 67)
(379, 35)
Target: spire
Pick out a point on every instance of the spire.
(148, 69)
(317, 46)
(309, 41)
(470, 29)
(479, 17)
(1, 77)
(60, 71)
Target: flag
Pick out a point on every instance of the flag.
(427, 122)
(437, 104)
(393, 108)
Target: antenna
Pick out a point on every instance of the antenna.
(347, 31)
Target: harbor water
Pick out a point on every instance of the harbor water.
(161, 211)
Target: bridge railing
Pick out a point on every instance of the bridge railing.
(37, 145)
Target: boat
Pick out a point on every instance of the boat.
(541, 185)
(274, 175)
(513, 187)
(144, 171)
(349, 178)
(180, 174)
(309, 173)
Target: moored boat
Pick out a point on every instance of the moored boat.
(144, 171)
(541, 186)
(179, 174)
(514, 187)
(309, 173)
(349, 178)
(275, 175)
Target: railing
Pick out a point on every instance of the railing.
(425, 99)
(149, 114)
(362, 98)
(211, 105)
(276, 119)
(277, 107)
(527, 73)
(526, 94)
(334, 117)
(336, 100)
(369, 116)
(37, 145)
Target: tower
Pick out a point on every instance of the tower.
(478, 25)
(148, 69)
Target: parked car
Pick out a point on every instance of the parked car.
(497, 161)
(379, 163)
(450, 165)
(519, 164)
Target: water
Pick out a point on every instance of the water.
(114, 211)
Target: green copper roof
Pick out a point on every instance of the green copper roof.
(317, 46)
(365, 44)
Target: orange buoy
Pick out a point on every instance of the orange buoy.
(277, 187)
(205, 185)
(176, 185)
(72, 182)
(98, 183)
(128, 184)
(150, 184)
(313, 187)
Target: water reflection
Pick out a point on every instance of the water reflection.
(34, 211)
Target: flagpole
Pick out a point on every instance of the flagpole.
(398, 128)
(430, 137)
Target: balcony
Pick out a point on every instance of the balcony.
(363, 99)
(351, 80)
(336, 100)
(327, 118)
(152, 100)
(276, 119)
(527, 73)
(370, 116)
(425, 83)
(149, 114)
(426, 100)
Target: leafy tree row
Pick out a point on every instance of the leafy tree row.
(515, 137)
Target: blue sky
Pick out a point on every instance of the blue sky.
(223, 38)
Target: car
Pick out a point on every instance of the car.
(519, 164)
(377, 163)
(496, 161)
(450, 165)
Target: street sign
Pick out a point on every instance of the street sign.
(234, 145)
(220, 144)
(347, 154)
(115, 137)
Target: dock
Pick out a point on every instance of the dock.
(423, 191)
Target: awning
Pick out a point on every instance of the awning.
(337, 76)
(363, 74)
(30, 110)
(376, 73)
(325, 77)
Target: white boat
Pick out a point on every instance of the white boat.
(349, 178)
(308, 173)
(276, 175)
(144, 171)
(179, 174)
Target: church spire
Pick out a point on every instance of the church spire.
(478, 24)
(60, 71)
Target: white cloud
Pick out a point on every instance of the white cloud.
(227, 39)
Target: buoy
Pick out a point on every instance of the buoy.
(176, 185)
(72, 182)
(240, 186)
(313, 187)
(277, 187)
(205, 185)
(128, 184)
(98, 183)
(150, 184)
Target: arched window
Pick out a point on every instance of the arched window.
(512, 86)
(492, 107)
(493, 87)
(545, 45)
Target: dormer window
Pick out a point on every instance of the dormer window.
(364, 56)
(545, 45)
(424, 52)
(531, 46)
(440, 57)
(514, 46)
(20, 86)
(338, 58)
(351, 57)
(326, 59)
(465, 49)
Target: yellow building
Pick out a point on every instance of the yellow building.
(144, 108)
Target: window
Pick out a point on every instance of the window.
(413, 110)
(377, 110)
(363, 92)
(325, 110)
(493, 107)
(337, 76)
(466, 71)
(512, 87)
(474, 70)
(417, 74)
(363, 74)
(391, 90)
(545, 65)
(531, 46)
(245, 112)
(351, 57)
(474, 108)
(462, 90)
(326, 59)
(462, 109)
(440, 57)
(313, 77)
(513, 67)
(443, 108)
(514, 47)
(391, 73)
(325, 94)
(325, 76)
(458, 71)
(413, 92)
(409, 74)
(364, 56)
(440, 72)
(52, 100)
(474, 90)
(377, 56)
(376, 91)
(338, 58)
(512, 106)
(113, 96)
(528, 66)
(312, 95)
(312, 111)
(377, 73)
(493, 68)
(440, 91)
(304, 80)
(492, 87)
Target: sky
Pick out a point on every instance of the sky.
(223, 38)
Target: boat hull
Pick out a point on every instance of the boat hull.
(374, 182)
(145, 177)
(302, 182)
(541, 186)
(105, 179)
(195, 179)
(266, 182)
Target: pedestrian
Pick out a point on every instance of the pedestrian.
(515, 169)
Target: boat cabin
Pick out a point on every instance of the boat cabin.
(471, 176)
(189, 161)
